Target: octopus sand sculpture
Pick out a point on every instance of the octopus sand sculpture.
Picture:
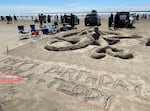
(86, 38)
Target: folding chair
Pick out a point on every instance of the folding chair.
(34, 31)
(22, 32)
(33, 27)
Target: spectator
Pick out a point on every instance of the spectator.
(127, 21)
(44, 18)
(112, 17)
(9, 19)
(41, 19)
(49, 19)
(62, 19)
(2, 18)
(55, 20)
(15, 18)
(116, 21)
(145, 16)
(110, 21)
(72, 20)
(65, 18)
(137, 17)
(32, 18)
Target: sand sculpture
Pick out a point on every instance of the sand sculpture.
(85, 38)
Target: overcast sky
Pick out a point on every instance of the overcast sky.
(43, 6)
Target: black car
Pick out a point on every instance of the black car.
(76, 20)
(92, 19)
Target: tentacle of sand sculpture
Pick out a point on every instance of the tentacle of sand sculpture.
(98, 53)
(118, 53)
(74, 43)
(148, 42)
(101, 52)
(86, 38)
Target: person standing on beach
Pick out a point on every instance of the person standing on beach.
(61, 18)
(116, 21)
(2, 18)
(127, 21)
(110, 21)
(137, 18)
(9, 19)
(15, 18)
(49, 19)
(72, 20)
(65, 18)
(145, 16)
(56, 20)
(112, 17)
(41, 19)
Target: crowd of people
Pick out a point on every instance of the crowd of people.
(113, 20)
(8, 19)
(62, 19)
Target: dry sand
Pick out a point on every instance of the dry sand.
(72, 80)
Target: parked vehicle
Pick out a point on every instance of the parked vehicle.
(92, 19)
(68, 20)
(123, 18)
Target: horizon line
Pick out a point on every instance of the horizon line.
(81, 12)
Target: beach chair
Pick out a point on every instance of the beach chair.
(33, 28)
(34, 31)
(23, 34)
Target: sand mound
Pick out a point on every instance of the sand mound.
(148, 42)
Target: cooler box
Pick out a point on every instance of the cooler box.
(45, 31)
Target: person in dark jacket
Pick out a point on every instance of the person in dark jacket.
(41, 19)
(65, 18)
(15, 18)
(2, 18)
(49, 19)
(110, 21)
(72, 20)
(116, 21)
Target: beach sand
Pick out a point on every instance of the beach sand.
(72, 80)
